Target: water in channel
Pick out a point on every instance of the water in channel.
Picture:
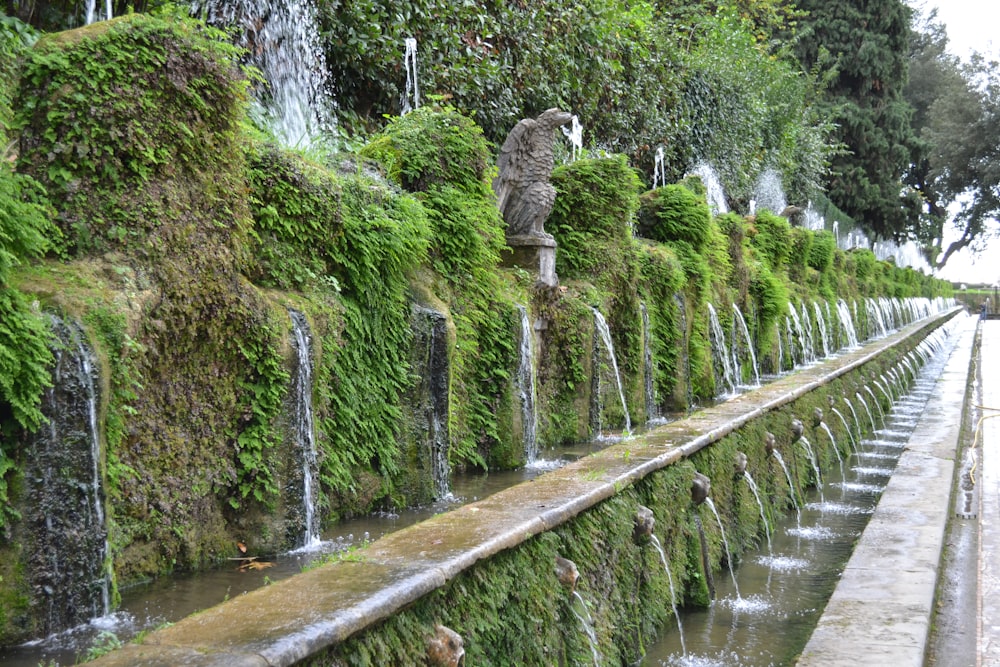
(783, 590)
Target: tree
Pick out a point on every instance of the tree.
(862, 48)
(964, 132)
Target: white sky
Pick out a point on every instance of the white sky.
(972, 26)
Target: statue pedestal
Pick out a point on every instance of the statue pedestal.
(535, 254)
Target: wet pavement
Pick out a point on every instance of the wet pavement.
(882, 611)
(989, 518)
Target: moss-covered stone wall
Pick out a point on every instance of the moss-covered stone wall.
(183, 237)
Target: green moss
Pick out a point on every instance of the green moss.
(771, 235)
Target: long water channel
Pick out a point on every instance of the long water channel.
(765, 614)
(765, 621)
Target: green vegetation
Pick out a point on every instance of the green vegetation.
(141, 204)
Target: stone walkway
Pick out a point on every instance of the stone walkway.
(882, 608)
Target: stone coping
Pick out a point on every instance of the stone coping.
(297, 617)
(881, 611)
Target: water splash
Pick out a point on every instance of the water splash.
(526, 388)
(715, 195)
(604, 336)
(769, 193)
(411, 97)
(725, 544)
(305, 440)
(673, 591)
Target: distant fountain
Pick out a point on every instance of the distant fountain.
(281, 40)
(526, 388)
(813, 219)
(715, 195)
(721, 362)
(431, 366)
(740, 324)
(64, 517)
(604, 337)
(725, 544)
(411, 96)
(659, 171)
(305, 441)
(575, 135)
(768, 192)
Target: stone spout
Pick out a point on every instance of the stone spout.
(817, 416)
(797, 429)
(446, 648)
(566, 572)
(701, 486)
(644, 523)
(770, 443)
(739, 464)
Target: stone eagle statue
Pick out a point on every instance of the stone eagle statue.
(524, 194)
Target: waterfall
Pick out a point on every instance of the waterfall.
(282, 41)
(432, 367)
(721, 363)
(847, 324)
(742, 328)
(587, 623)
(305, 438)
(685, 357)
(526, 388)
(805, 342)
(807, 327)
(649, 369)
(821, 323)
(64, 516)
(91, 12)
(412, 87)
(604, 336)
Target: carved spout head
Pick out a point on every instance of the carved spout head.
(817, 416)
(739, 464)
(553, 118)
(644, 523)
(566, 572)
(797, 429)
(701, 486)
(770, 443)
(446, 648)
(831, 399)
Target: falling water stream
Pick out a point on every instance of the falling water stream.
(604, 336)
(304, 433)
(526, 388)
